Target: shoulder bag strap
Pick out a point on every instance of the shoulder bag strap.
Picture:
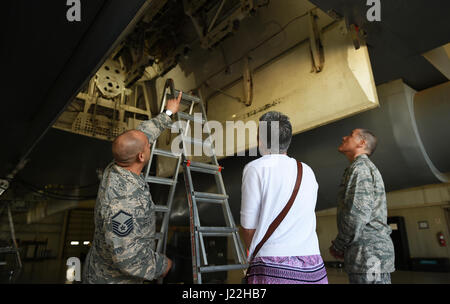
(276, 222)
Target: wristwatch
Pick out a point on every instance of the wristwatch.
(169, 113)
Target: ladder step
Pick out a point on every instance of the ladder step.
(210, 196)
(165, 153)
(208, 200)
(194, 118)
(217, 231)
(195, 141)
(204, 168)
(159, 180)
(160, 208)
(8, 250)
(206, 269)
(186, 97)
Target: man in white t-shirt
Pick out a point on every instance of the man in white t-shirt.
(291, 255)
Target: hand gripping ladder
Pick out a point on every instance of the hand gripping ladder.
(197, 232)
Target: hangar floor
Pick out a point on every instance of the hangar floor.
(53, 272)
(338, 276)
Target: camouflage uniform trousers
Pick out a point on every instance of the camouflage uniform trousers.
(369, 278)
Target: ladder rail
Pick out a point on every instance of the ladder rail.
(162, 246)
(186, 119)
(196, 276)
(208, 130)
(162, 235)
(152, 152)
(219, 181)
(202, 246)
(240, 251)
(198, 232)
(14, 249)
(193, 212)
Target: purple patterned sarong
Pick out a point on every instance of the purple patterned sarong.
(287, 270)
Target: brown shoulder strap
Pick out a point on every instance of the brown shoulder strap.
(276, 222)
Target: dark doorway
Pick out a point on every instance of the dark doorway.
(400, 240)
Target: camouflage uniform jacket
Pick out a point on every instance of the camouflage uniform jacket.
(123, 247)
(363, 233)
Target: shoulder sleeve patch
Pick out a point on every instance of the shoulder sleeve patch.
(122, 223)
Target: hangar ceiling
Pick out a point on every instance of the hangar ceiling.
(47, 60)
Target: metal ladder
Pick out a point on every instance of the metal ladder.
(184, 120)
(197, 232)
(161, 236)
(11, 250)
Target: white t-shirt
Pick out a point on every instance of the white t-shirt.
(267, 185)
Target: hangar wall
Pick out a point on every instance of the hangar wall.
(420, 204)
(48, 229)
(56, 230)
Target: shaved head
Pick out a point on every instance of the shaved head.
(128, 145)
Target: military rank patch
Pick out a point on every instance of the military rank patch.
(122, 224)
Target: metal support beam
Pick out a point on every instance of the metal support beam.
(248, 82)
(315, 42)
(216, 15)
(13, 236)
(216, 32)
(62, 240)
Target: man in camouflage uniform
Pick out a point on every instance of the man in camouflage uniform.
(363, 238)
(123, 247)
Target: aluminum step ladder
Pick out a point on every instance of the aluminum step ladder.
(161, 236)
(197, 232)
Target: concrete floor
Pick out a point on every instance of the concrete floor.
(338, 276)
(53, 272)
(42, 272)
